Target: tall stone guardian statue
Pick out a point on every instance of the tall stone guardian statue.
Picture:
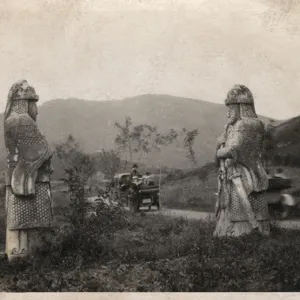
(28, 195)
(241, 206)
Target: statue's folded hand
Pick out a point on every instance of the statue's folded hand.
(222, 153)
(220, 141)
(229, 162)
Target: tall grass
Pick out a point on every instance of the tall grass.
(188, 194)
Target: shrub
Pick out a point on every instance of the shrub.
(251, 263)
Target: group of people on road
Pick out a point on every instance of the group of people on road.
(135, 174)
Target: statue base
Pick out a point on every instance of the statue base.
(22, 243)
(28, 219)
(227, 228)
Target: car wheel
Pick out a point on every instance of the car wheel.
(133, 206)
(158, 205)
(285, 212)
(272, 211)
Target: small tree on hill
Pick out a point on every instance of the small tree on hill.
(72, 155)
(188, 143)
(141, 139)
(78, 167)
(78, 206)
(108, 162)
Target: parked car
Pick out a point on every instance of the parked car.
(119, 187)
(283, 197)
(143, 194)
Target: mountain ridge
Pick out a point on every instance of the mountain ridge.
(92, 123)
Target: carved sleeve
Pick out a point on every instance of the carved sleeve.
(221, 151)
(244, 144)
(226, 152)
(234, 143)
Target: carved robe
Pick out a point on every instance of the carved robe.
(242, 153)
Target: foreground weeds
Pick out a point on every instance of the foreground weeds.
(118, 252)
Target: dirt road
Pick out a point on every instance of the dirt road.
(206, 215)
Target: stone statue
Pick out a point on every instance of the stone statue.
(241, 206)
(28, 195)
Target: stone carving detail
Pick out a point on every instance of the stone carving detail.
(241, 206)
(28, 194)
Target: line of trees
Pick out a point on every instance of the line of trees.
(141, 139)
(132, 142)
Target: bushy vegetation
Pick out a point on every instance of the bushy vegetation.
(114, 251)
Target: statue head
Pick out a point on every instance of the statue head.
(22, 99)
(240, 103)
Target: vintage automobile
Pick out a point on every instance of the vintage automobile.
(119, 187)
(283, 197)
(143, 193)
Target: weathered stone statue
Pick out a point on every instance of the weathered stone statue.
(28, 195)
(241, 206)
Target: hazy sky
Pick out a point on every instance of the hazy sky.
(112, 49)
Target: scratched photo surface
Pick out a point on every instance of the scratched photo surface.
(149, 146)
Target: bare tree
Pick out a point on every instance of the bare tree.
(71, 156)
(108, 162)
(123, 139)
(188, 143)
(141, 139)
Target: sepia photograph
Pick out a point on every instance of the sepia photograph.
(149, 146)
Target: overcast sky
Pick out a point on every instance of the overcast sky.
(112, 49)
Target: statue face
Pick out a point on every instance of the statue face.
(32, 109)
(233, 113)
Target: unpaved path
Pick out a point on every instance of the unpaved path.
(196, 215)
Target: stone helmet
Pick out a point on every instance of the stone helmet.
(239, 94)
(20, 90)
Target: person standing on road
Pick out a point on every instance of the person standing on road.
(134, 171)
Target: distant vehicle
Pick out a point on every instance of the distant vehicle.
(143, 194)
(283, 197)
(120, 187)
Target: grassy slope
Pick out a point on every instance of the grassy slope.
(191, 193)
